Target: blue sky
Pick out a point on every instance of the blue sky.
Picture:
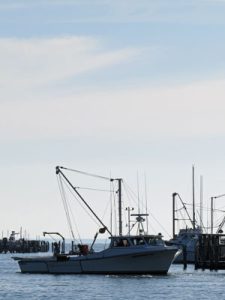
(109, 86)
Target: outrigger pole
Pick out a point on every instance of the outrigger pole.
(58, 171)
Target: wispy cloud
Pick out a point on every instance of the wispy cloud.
(32, 62)
(195, 110)
(105, 11)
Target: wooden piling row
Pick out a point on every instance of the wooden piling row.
(23, 246)
(210, 252)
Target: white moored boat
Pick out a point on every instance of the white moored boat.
(126, 254)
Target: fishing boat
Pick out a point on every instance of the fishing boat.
(126, 254)
(186, 238)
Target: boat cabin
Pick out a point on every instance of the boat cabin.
(139, 240)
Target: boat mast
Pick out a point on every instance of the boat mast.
(174, 200)
(174, 212)
(212, 210)
(212, 214)
(146, 203)
(193, 193)
(58, 171)
(201, 201)
(120, 205)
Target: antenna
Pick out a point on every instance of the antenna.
(129, 209)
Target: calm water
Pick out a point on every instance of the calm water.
(178, 284)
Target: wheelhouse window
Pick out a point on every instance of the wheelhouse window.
(154, 240)
(121, 242)
(138, 241)
(151, 241)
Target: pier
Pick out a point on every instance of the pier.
(23, 246)
(11, 245)
(210, 252)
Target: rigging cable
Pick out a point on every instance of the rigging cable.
(91, 189)
(63, 196)
(73, 218)
(106, 209)
(80, 203)
(86, 173)
(149, 212)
